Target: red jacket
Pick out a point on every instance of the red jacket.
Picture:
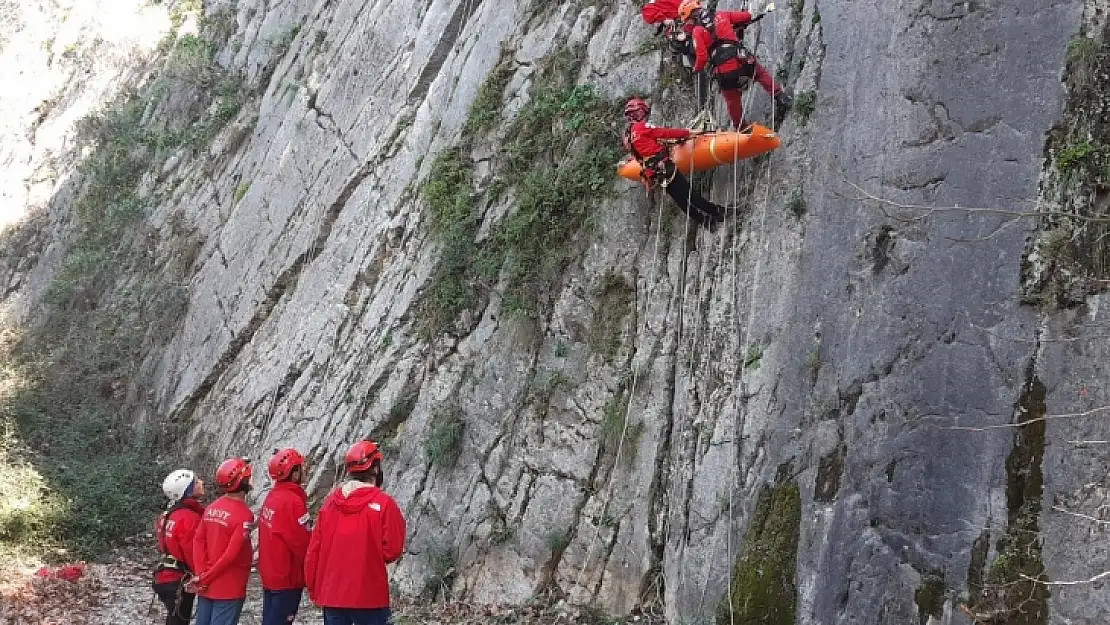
(657, 11)
(723, 25)
(222, 548)
(359, 530)
(283, 537)
(642, 139)
(174, 535)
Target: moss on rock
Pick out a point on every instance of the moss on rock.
(762, 588)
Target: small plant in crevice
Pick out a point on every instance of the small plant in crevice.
(557, 540)
(614, 415)
(453, 286)
(445, 436)
(813, 361)
(804, 105)
(403, 406)
(442, 571)
(502, 533)
(241, 191)
(485, 111)
(753, 357)
(796, 204)
(782, 74)
(929, 597)
(562, 349)
(614, 295)
(1074, 154)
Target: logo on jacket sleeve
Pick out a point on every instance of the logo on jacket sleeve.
(375, 506)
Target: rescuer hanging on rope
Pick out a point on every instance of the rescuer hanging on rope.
(718, 44)
(665, 14)
(644, 142)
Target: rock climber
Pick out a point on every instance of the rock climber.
(283, 535)
(222, 547)
(358, 532)
(643, 141)
(173, 532)
(717, 44)
(665, 14)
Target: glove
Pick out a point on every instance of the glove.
(758, 17)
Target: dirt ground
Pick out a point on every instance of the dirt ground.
(117, 592)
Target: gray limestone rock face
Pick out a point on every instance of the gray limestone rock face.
(848, 329)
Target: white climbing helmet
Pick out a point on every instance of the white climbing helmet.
(178, 484)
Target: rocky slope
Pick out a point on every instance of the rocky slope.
(365, 217)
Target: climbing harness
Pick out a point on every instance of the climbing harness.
(168, 562)
(653, 169)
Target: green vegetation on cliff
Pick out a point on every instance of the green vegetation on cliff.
(556, 160)
(76, 473)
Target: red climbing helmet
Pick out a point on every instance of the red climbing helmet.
(637, 109)
(362, 455)
(284, 461)
(232, 472)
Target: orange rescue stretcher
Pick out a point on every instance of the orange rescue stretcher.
(710, 150)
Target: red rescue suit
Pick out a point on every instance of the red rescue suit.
(283, 537)
(732, 67)
(174, 533)
(222, 548)
(359, 530)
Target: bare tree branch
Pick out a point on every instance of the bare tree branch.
(1051, 417)
(1079, 515)
(1101, 576)
(1089, 442)
(928, 210)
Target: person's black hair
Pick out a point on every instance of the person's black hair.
(243, 487)
(292, 477)
(373, 475)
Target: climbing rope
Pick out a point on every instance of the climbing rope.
(744, 345)
(642, 329)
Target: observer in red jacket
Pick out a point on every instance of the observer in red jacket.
(222, 547)
(283, 536)
(359, 530)
(174, 530)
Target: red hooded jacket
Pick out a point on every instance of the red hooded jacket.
(174, 535)
(724, 23)
(359, 530)
(283, 536)
(222, 548)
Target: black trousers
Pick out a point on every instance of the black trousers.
(177, 612)
(697, 207)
